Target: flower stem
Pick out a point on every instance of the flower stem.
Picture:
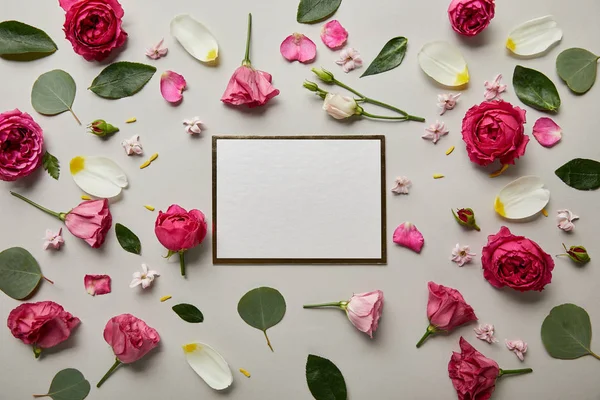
(430, 330)
(348, 88)
(332, 304)
(246, 60)
(514, 371)
(182, 262)
(76, 119)
(109, 373)
(37, 351)
(366, 114)
(60, 216)
(268, 341)
(52, 282)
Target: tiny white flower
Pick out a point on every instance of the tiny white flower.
(519, 347)
(193, 125)
(143, 278)
(462, 254)
(402, 185)
(447, 101)
(133, 145)
(485, 332)
(565, 220)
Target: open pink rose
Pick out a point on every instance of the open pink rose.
(516, 262)
(250, 87)
(470, 17)
(473, 375)
(90, 221)
(93, 27)
(364, 311)
(21, 145)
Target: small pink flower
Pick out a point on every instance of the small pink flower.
(462, 255)
(485, 332)
(349, 59)
(447, 101)
(407, 235)
(53, 240)
(435, 131)
(565, 220)
(547, 132)
(494, 89)
(519, 347)
(334, 35)
(157, 51)
(364, 311)
(298, 47)
(171, 86)
(402, 185)
(193, 125)
(97, 284)
(133, 145)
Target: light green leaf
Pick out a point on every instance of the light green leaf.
(122, 79)
(68, 384)
(324, 379)
(127, 239)
(580, 174)
(53, 93)
(19, 273)
(535, 89)
(578, 68)
(19, 38)
(567, 332)
(51, 165)
(389, 57)
(262, 308)
(188, 313)
(311, 11)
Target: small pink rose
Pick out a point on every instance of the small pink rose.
(470, 17)
(172, 86)
(21, 145)
(298, 47)
(364, 311)
(249, 87)
(407, 235)
(90, 221)
(473, 375)
(97, 284)
(334, 35)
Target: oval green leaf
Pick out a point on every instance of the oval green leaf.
(122, 79)
(19, 38)
(68, 384)
(19, 273)
(578, 68)
(389, 57)
(324, 379)
(127, 239)
(188, 313)
(535, 89)
(567, 332)
(53, 93)
(262, 308)
(580, 174)
(311, 11)
(51, 165)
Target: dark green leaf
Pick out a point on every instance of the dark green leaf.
(127, 239)
(311, 11)
(51, 165)
(580, 174)
(122, 79)
(324, 379)
(19, 273)
(188, 313)
(578, 68)
(53, 93)
(68, 384)
(19, 38)
(535, 89)
(262, 308)
(389, 57)
(567, 332)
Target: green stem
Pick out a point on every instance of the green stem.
(60, 216)
(52, 282)
(109, 373)
(182, 262)
(514, 371)
(366, 114)
(385, 105)
(41, 395)
(332, 304)
(268, 341)
(246, 60)
(430, 330)
(37, 351)
(348, 88)
(594, 355)
(76, 119)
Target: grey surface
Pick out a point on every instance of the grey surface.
(387, 367)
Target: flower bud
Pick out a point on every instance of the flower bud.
(313, 87)
(578, 254)
(466, 217)
(323, 75)
(102, 128)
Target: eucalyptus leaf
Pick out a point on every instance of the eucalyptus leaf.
(580, 174)
(262, 308)
(51, 165)
(53, 93)
(389, 57)
(324, 379)
(20, 273)
(122, 79)
(188, 313)
(19, 38)
(535, 89)
(567, 332)
(68, 384)
(311, 11)
(127, 239)
(578, 68)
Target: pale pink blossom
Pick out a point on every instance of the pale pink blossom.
(364, 311)
(53, 240)
(193, 125)
(462, 255)
(133, 145)
(519, 347)
(547, 132)
(402, 185)
(435, 131)
(494, 89)
(349, 59)
(172, 86)
(97, 284)
(157, 51)
(447, 101)
(143, 278)
(298, 47)
(485, 332)
(565, 220)
(334, 35)
(407, 235)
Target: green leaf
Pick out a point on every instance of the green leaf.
(580, 174)
(53, 93)
(51, 165)
(188, 313)
(19, 273)
(567, 332)
(68, 384)
(311, 11)
(122, 79)
(578, 68)
(19, 38)
(262, 308)
(389, 57)
(127, 239)
(535, 89)
(324, 379)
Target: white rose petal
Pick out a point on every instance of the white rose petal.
(444, 63)
(195, 38)
(522, 198)
(209, 365)
(99, 176)
(534, 37)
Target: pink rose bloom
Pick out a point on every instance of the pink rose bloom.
(90, 221)
(43, 325)
(21, 145)
(130, 337)
(93, 27)
(473, 375)
(516, 262)
(470, 17)
(494, 130)
(249, 86)
(364, 311)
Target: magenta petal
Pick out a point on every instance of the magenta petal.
(97, 284)
(334, 35)
(547, 132)
(298, 47)
(171, 86)
(407, 235)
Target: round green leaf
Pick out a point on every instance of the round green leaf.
(19, 273)
(53, 93)
(68, 384)
(389, 57)
(324, 379)
(578, 68)
(19, 38)
(262, 308)
(535, 89)
(311, 11)
(567, 332)
(122, 79)
(188, 313)
(127, 239)
(580, 174)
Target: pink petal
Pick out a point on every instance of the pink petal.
(298, 47)
(97, 284)
(547, 132)
(334, 35)
(171, 86)
(407, 235)
(66, 4)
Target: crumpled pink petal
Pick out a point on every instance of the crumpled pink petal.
(97, 284)
(334, 35)
(298, 47)
(407, 235)
(171, 86)
(66, 4)
(547, 132)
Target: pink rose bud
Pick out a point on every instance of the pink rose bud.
(21, 145)
(577, 253)
(90, 221)
(466, 217)
(102, 128)
(470, 17)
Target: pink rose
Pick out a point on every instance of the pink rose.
(90, 221)
(364, 311)
(21, 145)
(130, 337)
(473, 375)
(250, 87)
(516, 262)
(470, 17)
(494, 130)
(93, 27)
(43, 325)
